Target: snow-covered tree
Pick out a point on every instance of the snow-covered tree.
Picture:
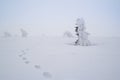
(23, 33)
(81, 33)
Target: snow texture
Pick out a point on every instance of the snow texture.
(51, 58)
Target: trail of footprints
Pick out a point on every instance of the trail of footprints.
(36, 66)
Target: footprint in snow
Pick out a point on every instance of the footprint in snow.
(27, 62)
(24, 58)
(20, 55)
(47, 75)
(37, 66)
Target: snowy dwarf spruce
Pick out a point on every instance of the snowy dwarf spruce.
(81, 33)
(7, 34)
(23, 33)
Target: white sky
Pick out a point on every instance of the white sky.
(54, 17)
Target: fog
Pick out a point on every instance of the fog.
(54, 17)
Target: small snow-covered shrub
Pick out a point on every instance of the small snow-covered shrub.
(7, 34)
(24, 33)
(68, 34)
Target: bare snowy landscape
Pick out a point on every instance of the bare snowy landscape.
(59, 39)
(56, 58)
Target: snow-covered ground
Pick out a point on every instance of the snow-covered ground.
(55, 58)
